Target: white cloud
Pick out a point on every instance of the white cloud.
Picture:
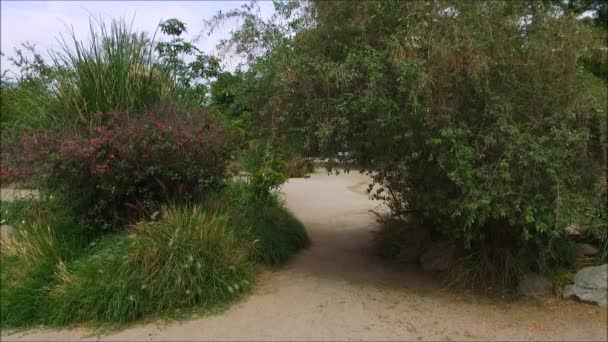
(40, 22)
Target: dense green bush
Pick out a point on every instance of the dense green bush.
(400, 241)
(478, 120)
(597, 222)
(119, 171)
(270, 166)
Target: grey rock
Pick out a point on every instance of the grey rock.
(590, 285)
(534, 285)
(598, 296)
(440, 257)
(6, 231)
(574, 229)
(592, 277)
(585, 249)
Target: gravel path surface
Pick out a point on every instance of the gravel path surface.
(337, 290)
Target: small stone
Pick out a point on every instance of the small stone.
(6, 231)
(534, 285)
(590, 285)
(585, 249)
(574, 229)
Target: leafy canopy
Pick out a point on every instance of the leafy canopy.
(478, 120)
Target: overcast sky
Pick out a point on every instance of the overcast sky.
(40, 22)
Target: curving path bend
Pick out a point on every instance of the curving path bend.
(337, 290)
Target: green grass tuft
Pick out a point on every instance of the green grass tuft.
(45, 239)
(189, 257)
(277, 233)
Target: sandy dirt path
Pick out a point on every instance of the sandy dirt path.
(337, 290)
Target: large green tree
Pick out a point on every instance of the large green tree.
(476, 119)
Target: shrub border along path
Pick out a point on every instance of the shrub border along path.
(188, 259)
(337, 290)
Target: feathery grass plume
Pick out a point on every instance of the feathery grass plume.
(36, 258)
(186, 259)
(114, 70)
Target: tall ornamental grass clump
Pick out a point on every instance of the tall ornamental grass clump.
(25, 95)
(21, 110)
(115, 70)
(187, 258)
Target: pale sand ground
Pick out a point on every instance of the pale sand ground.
(10, 194)
(337, 290)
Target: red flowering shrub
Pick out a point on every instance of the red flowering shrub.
(17, 157)
(7, 173)
(121, 170)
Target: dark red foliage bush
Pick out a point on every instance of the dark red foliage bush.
(121, 170)
(7, 173)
